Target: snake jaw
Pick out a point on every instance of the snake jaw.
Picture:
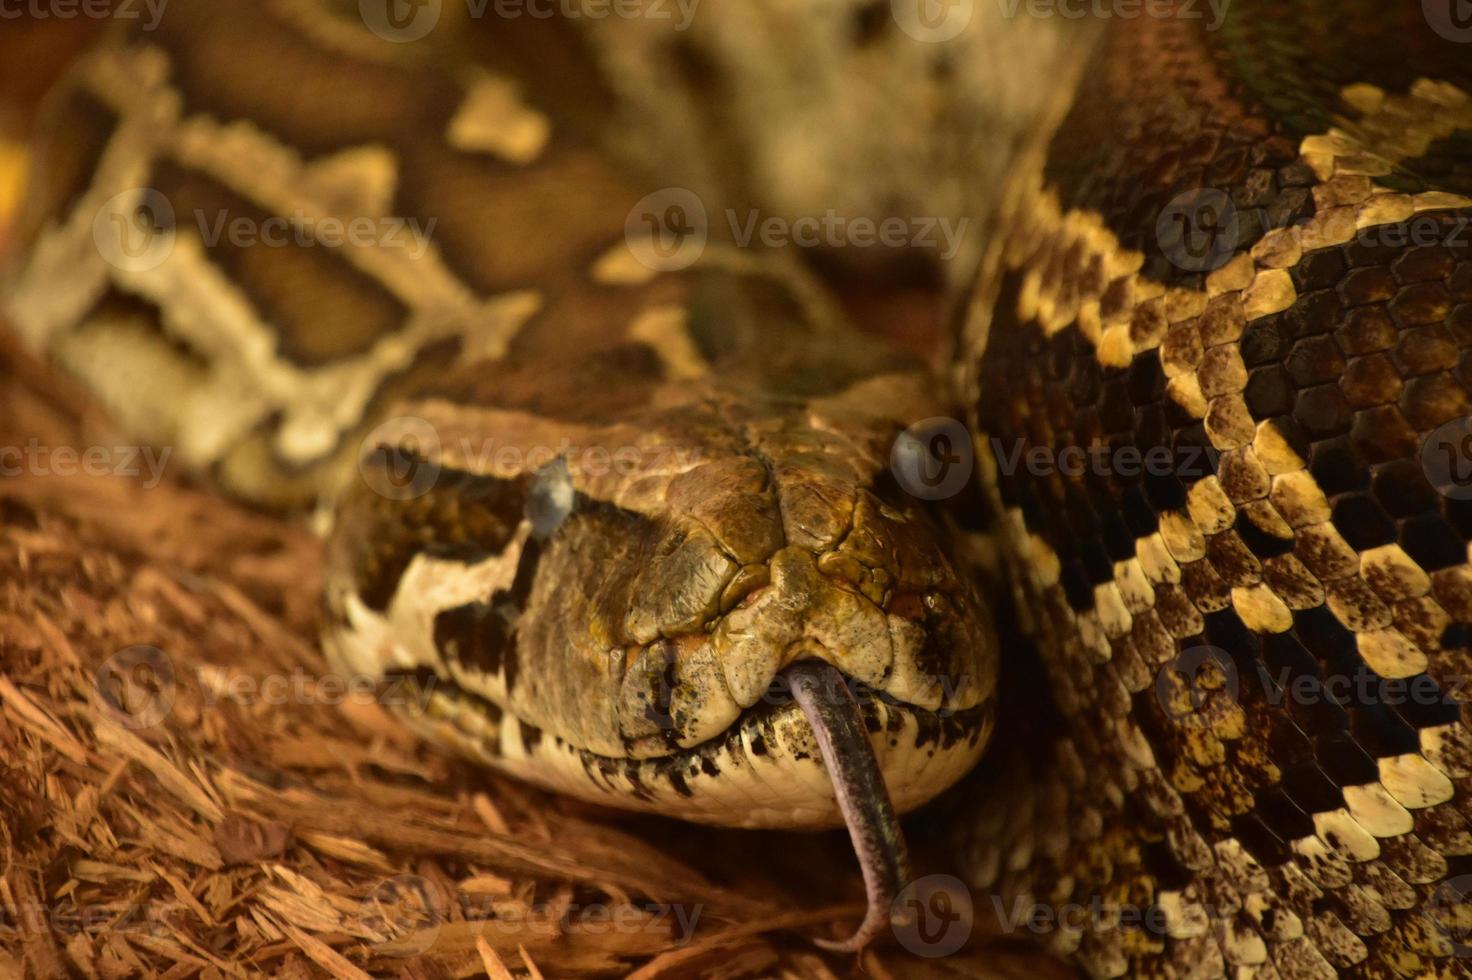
(822, 693)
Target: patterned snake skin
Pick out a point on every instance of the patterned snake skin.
(1254, 268)
(1215, 367)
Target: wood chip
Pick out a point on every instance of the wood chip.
(495, 966)
(241, 840)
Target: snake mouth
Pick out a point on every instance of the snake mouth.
(763, 771)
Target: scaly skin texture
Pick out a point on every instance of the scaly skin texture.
(596, 499)
(1255, 648)
(1205, 761)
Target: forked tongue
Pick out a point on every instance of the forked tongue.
(833, 714)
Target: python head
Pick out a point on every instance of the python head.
(724, 609)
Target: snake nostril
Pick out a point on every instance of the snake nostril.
(745, 587)
(908, 605)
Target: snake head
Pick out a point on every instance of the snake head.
(626, 633)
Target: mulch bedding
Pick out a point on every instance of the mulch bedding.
(186, 790)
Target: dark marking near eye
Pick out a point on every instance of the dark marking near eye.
(461, 517)
(475, 635)
(482, 635)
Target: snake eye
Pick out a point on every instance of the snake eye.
(551, 499)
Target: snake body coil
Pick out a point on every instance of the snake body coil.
(623, 499)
